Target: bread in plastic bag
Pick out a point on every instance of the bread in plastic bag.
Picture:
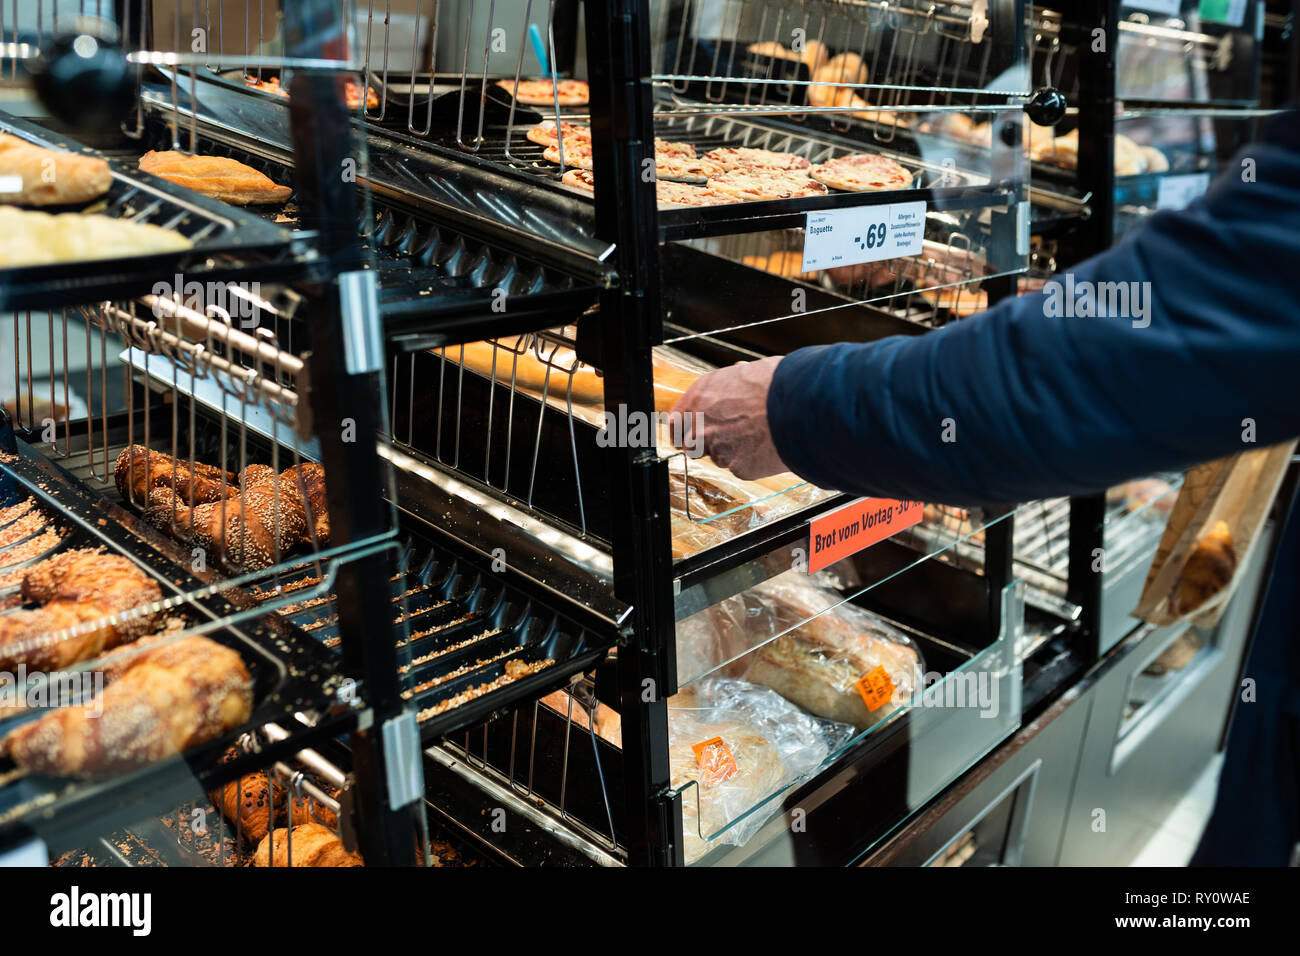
(806, 643)
(741, 744)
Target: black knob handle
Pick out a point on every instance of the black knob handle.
(85, 81)
(1046, 107)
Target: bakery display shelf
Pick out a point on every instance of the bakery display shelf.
(514, 210)
(291, 675)
(552, 771)
(230, 245)
(437, 286)
(463, 631)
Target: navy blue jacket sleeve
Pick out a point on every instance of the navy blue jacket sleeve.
(1020, 403)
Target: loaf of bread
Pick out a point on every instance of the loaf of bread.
(86, 589)
(1209, 569)
(217, 176)
(170, 697)
(310, 845)
(51, 177)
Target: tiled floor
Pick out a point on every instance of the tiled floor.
(1176, 836)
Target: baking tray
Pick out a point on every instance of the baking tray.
(291, 674)
(230, 244)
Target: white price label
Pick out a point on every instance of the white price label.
(846, 237)
(1177, 192)
(11, 184)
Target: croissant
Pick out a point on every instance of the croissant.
(313, 845)
(171, 697)
(51, 177)
(138, 470)
(1209, 569)
(83, 587)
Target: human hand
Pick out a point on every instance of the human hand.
(726, 418)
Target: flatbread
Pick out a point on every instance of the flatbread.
(543, 134)
(750, 185)
(862, 172)
(544, 92)
(745, 157)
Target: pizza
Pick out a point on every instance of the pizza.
(545, 92)
(352, 91)
(577, 154)
(269, 85)
(685, 168)
(669, 194)
(354, 96)
(746, 158)
(684, 194)
(583, 179)
(749, 185)
(544, 134)
(664, 147)
(862, 172)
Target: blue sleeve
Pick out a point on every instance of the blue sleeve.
(1031, 399)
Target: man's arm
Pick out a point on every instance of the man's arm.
(1017, 403)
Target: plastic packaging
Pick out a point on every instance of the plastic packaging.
(838, 662)
(741, 744)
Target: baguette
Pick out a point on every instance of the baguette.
(556, 368)
(51, 177)
(169, 698)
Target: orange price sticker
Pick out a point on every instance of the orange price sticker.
(857, 525)
(715, 760)
(876, 688)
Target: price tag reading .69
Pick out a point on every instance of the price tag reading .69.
(845, 237)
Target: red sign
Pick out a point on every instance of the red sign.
(857, 525)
